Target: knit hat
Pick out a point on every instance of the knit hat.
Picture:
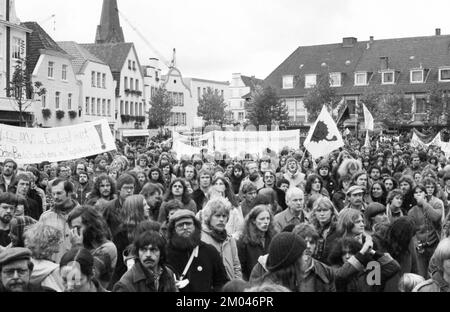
(373, 209)
(284, 250)
(180, 214)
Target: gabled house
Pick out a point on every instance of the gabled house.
(409, 65)
(240, 90)
(127, 72)
(97, 88)
(52, 66)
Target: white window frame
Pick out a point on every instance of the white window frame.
(365, 79)
(93, 79)
(309, 85)
(87, 105)
(43, 100)
(412, 71)
(64, 72)
(339, 78)
(288, 82)
(57, 100)
(104, 81)
(69, 101)
(388, 72)
(51, 70)
(440, 74)
(16, 48)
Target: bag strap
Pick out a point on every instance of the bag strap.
(188, 265)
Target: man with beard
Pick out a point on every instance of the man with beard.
(414, 165)
(197, 265)
(406, 184)
(103, 191)
(83, 187)
(293, 174)
(153, 196)
(7, 180)
(355, 195)
(16, 268)
(8, 205)
(149, 273)
(270, 182)
(295, 199)
(57, 216)
(253, 175)
(23, 187)
(249, 194)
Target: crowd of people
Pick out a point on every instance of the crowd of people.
(143, 219)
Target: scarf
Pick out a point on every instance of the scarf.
(219, 236)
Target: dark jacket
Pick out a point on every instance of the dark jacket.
(325, 243)
(81, 192)
(111, 215)
(137, 279)
(339, 200)
(248, 255)
(199, 198)
(206, 272)
(11, 187)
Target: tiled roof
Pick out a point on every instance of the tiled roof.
(252, 82)
(39, 40)
(113, 54)
(81, 55)
(403, 55)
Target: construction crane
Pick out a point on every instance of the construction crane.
(161, 57)
(53, 16)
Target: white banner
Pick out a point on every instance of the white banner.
(34, 145)
(445, 146)
(238, 143)
(189, 145)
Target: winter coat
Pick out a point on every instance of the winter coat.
(249, 252)
(206, 272)
(228, 251)
(428, 221)
(285, 218)
(137, 280)
(325, 243)
(111, 215)
(46, 273)
(339, 200)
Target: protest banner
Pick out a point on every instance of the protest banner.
(189, 145)
(34, 145)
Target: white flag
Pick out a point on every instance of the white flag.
(368, 119)
(367, 143)
(324, 137)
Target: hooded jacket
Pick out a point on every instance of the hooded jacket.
(46, 274)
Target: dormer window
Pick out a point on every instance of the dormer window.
(335, 79)
(288, 82)
(388, 77)
(416, 76)
(310, 81)
(444, 74)
(361, 79)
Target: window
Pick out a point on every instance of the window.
(104, 81)
(288, 82)
(310, 81)
(44, 101)
(131, 109)
(387, 77)
(93, 106)
(241, 116)
(87, 106)
(103, 107)
(64, 73)
(121, 108)
(17, 48)
(109, 108)
(99, 80)
(50, 69)
(335, 80)
(360, 79)
(69, 101)
(126, 108)
(129, 64)
(93, 79)
(416, 76)
(136, 109)
(444, 74)
(57, 100)
(134, 65)
(131, 83)
(137, 85)
(98, 107)
(183, 118)
(421, 105)
(125, 83)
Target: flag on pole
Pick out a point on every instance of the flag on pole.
(368, 118)
(324, 137)
(367, 143)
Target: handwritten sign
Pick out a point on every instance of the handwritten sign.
(34, 145)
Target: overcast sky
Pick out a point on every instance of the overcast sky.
(215, 38)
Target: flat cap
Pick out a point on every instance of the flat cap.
(180, 214)
(14, 254)
(355, 189)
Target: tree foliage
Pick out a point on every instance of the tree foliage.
(265, 108)
(395, 109)
(212, 107)
(22, 90)
(438, 106)
(322, 93)
(161, 108)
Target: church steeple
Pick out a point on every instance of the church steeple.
(109, 30)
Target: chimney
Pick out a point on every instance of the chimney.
(438, 31)
(371, 39)
(349, 42)
(384, 62)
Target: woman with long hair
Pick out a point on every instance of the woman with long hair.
(339, 197)
(390, 183)
(155, 176)
(324, 218)
(351, 224)
(314, 186)
(378, 193)
(255, 239)
(179, 191)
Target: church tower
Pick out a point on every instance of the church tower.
(109, 30)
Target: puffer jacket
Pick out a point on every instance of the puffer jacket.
(228, 251)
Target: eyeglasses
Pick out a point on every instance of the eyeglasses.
(184, 224)
(10, 272)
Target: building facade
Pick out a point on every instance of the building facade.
(408, 65)
(13, 43)
(240, 87)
